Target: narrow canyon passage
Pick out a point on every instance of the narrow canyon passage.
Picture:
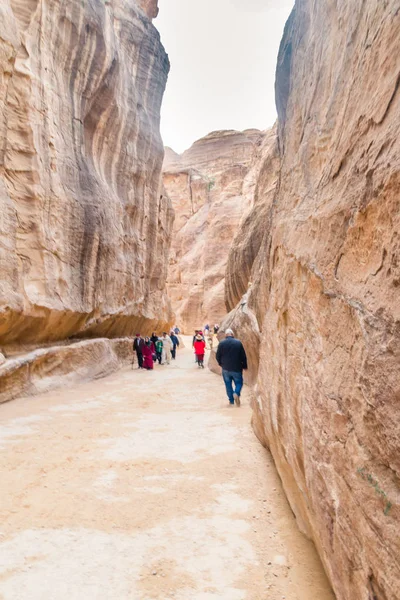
(145, 485)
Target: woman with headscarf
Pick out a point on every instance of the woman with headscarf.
(200, 350)
(148, 351)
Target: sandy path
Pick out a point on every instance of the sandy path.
(145, 486)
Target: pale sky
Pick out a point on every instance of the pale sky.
(223, 58)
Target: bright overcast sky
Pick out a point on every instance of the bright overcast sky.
(223, 58)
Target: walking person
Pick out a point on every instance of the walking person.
(138, 346)
(159, 347)
(175, 344)
(200, 350)
(231, 356)
(148, 352)
(154, 338)
(167, 347)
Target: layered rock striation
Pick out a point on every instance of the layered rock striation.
(243, 289)
(324, 299)
(84, 224)
(46, 369)
(210, 188)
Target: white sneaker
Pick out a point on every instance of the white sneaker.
(236, 399)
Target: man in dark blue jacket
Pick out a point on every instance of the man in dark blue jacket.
(175, 344)
(231, 356)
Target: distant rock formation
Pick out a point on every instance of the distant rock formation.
(323, 304)
(84, 226)
(209, 186)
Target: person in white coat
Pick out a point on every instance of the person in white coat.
(167, 347)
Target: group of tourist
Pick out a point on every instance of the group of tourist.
(231, 355)
(156, 348)
(199, 343)
(162, 349)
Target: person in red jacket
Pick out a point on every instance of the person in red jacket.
(199, 350)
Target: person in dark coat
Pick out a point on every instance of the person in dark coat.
(231, 356)
(138, 346)
(154, 338)
(175, 344)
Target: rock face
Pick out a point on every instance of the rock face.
(325, 290)
(245, 258)
(84, 225)
(47, 369)
(261, 183)
(209, 186)
(150, 7)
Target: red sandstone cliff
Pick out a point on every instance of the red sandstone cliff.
(324, 301)
(209, 188)
(84, 227)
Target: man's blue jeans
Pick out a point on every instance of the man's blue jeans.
(231, 377)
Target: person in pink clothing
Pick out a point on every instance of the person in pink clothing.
(148, 353)
(199, 350)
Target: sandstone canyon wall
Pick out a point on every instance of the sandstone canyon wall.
(84, 225)
(324, 299)
(210, 186)
(243, 288)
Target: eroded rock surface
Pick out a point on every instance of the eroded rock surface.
(242, 285)
(84, 227)
(209, 186)
(260, 188)
(150, 7)
(56, 367)
(326, 290)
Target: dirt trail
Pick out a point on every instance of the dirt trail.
(145, 486)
